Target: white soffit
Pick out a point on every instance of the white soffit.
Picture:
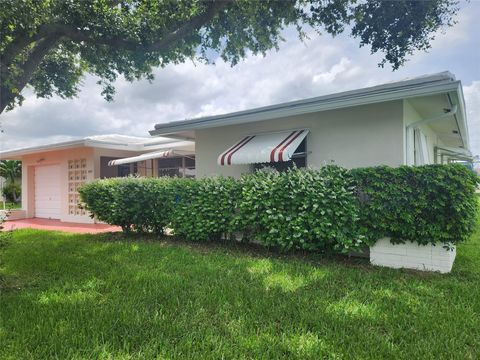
(263, 148)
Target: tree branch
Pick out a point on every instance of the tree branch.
(48, 34)
(162, 44)
(15, 47)
(195, 23)
(28, 68)
(22, 41)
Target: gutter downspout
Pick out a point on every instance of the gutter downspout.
(411, 127)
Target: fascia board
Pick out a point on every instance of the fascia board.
(463, 118)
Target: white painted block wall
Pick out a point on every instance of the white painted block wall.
(412, 256)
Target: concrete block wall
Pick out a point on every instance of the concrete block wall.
(412, 256)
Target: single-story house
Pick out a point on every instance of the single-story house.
(52, 173)
(414, 121)
(411, 122)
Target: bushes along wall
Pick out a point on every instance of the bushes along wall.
(326, 209)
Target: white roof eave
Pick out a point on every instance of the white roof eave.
(348, 99)
(18, 153)
(461, 117)
(147, 145)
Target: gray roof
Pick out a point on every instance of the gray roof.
(411, 87)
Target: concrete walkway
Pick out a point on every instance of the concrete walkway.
(57, 225)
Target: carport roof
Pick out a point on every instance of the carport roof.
(113, 141)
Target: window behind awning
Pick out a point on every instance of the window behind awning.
(263, 148)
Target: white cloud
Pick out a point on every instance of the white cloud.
(344, 69)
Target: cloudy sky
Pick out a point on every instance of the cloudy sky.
(319, 66)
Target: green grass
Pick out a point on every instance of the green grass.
(102, 297)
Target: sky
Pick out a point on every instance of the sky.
(319, 66)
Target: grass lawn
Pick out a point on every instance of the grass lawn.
(97, 297)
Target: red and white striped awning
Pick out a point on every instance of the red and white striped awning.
(263, 148)
(149, 156)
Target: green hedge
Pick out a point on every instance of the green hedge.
(300, 209)
(99, 198)
(326, 209)
(205, 209)
(135, 204)
(424, 204)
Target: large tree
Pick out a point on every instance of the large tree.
(51, 44)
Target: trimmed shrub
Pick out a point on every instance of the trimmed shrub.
(424, 204)
(98, 197)
(326, 209)
(144, 203)
(300, 209)
(204, 209)
(135, 204)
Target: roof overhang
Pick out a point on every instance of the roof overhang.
(456, 98)
(17, 154)
(442, 83)
(444, 113)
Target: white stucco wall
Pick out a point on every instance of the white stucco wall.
(353, 137)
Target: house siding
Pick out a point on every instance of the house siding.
(359, 136)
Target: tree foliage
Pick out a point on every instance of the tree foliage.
(51, 44)
(11, 170)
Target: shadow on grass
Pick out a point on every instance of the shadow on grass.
(100, 296)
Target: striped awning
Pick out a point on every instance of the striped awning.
(149, 156)
(263, 148)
